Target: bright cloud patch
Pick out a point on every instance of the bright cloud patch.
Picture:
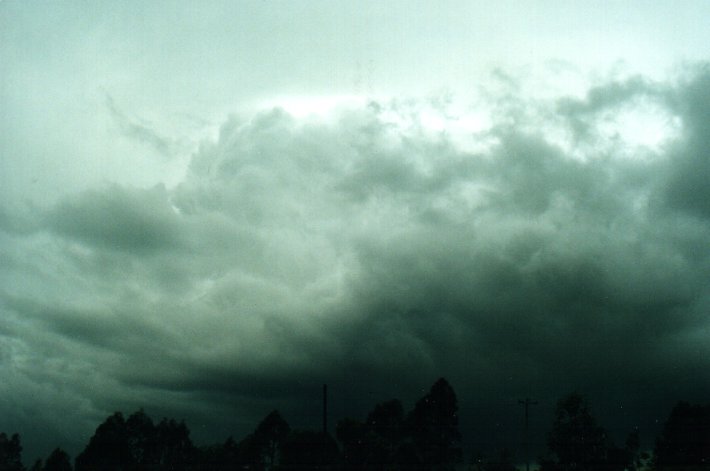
(639, 124)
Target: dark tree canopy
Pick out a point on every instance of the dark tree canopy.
(434, 428)
(136, 444)
(685, 440)
(309, 450)
(10, 453)
(376, 443)
(577, 443)
(353, 436)
(108, 448)
(262, 449)
(427, 438)
(175, 450)
(502, 461)
(58, 460)
(142, 439)
(221, 457)
(386, 421)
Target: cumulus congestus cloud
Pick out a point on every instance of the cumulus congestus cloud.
(370, 249)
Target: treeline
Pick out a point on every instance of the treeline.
(425, 438)
(577, 442)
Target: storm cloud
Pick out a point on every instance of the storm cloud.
(539, 252)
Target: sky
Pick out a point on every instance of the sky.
(209, 209)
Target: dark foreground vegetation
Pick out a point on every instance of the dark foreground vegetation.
(425, 438)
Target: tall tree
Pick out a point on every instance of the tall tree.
(434, 428)
(220, 457)
(626, 458)
(142, 440)
(576, 441)
(136, 444)
(309, 450)
(353, 436)
(502, 461)
(58, 460)
(386, 422)
(10, 453)
(375, 443)
(263, 447)
(175, 450)
(685, 440)
(109, 447)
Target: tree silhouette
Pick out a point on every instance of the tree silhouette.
(58, 460)
(374, 444)
(386, 422)
(10, 453)
(262, 448)
(221, 457)
(503, 461)
(142, 440)
(576, 441)
(136, 444)
(434, 428)
(626, 457)
(108, 448)
(175, 450)
(685, 440)
(309, 450)
(353, 435)
(426, 439)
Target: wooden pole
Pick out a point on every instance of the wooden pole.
(325, 409)
(527, 403)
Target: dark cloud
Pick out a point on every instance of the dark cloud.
(138, 131)
(687, 183)
(376, 254)
(117, 218)
(608, 95)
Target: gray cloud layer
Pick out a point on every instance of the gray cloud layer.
(375, 257)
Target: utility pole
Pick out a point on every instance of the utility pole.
(325, 409)
(526, 404)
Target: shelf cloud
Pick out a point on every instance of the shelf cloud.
(367, 248)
